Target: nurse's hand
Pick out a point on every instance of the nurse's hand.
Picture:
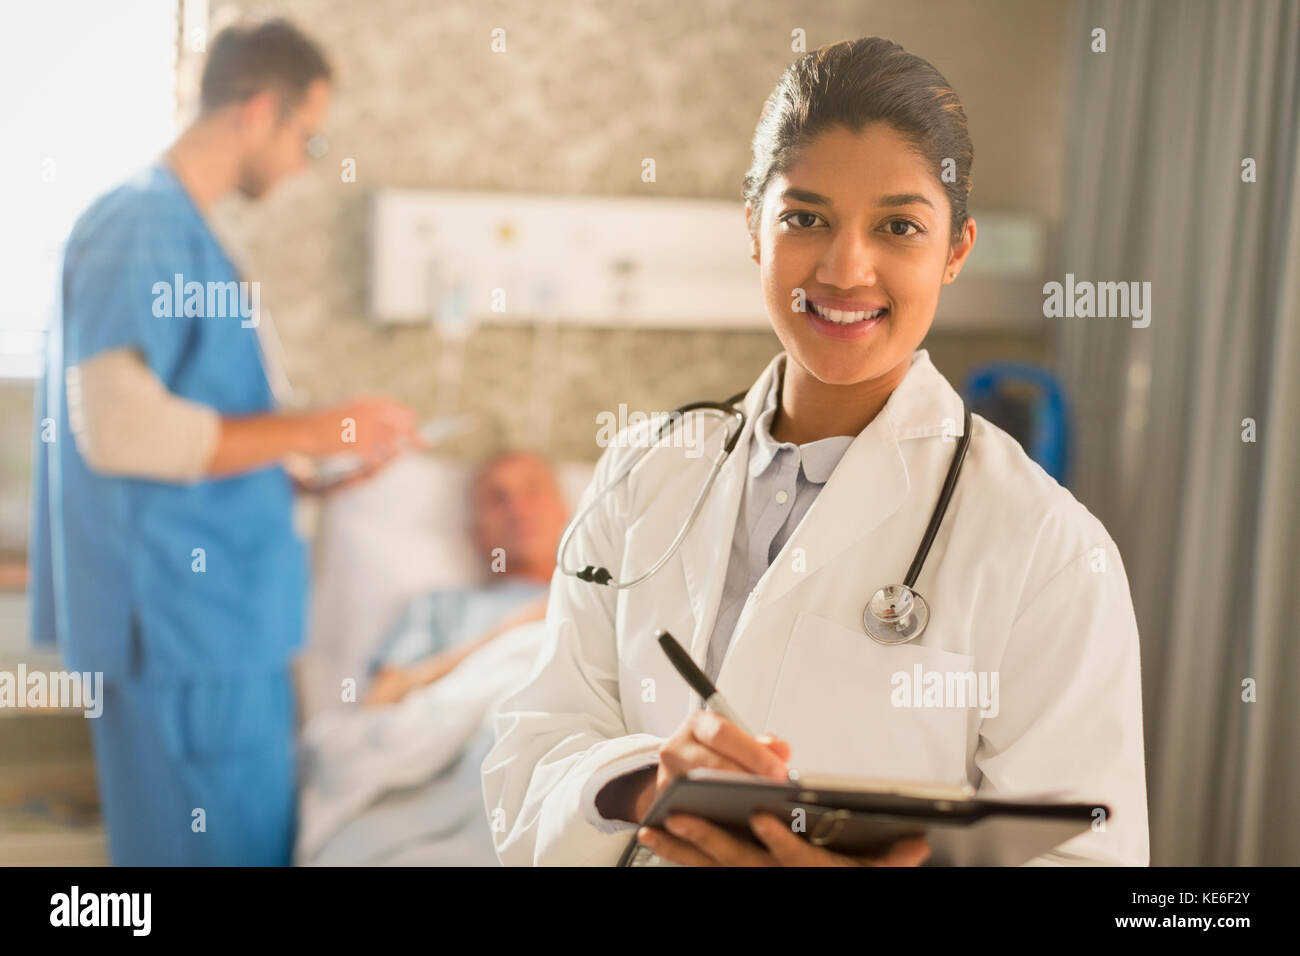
(377, 429)
(695, 842)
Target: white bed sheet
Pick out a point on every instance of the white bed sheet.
(377, 780)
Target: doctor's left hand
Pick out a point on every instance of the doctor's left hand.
(695, 842)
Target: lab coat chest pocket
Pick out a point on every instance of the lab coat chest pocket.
(848, 706)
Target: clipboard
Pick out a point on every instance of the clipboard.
(862, 817)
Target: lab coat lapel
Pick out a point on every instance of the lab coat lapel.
(706, 550)
(871, 481)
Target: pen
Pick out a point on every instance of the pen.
(699, 683)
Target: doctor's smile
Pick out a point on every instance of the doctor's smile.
(844, 320)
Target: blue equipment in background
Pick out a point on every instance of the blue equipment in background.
(1027, 402)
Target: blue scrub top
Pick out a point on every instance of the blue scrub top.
(114, 562)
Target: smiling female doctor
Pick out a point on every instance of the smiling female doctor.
(848, 437)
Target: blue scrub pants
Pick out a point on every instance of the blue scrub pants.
(165, 750)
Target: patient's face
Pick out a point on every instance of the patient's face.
(518, 507)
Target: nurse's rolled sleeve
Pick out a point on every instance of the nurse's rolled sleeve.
(562, 734)
(1070, 720)
(119, 284)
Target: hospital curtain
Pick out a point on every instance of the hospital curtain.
(1162, 126)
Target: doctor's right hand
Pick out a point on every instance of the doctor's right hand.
(707, 739)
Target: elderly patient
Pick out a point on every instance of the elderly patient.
(397, 782)
(518, 517)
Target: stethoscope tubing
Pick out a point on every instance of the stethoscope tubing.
(941, 509)
(599, 575)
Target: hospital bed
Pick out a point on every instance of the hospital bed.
(400, 784)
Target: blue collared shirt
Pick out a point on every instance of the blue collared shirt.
(440, 620)
(784, 480)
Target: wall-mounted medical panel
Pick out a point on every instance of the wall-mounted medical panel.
(607, 261)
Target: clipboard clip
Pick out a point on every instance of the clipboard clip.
(828, 827)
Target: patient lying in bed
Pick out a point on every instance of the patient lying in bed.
(397, 782)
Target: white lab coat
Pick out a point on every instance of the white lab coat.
(1021, 581)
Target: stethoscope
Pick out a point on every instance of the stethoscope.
(896, 614)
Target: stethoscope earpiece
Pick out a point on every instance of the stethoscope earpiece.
(895, 615)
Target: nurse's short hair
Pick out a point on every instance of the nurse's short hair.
(245, 59)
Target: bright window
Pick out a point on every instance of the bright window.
(87, 96)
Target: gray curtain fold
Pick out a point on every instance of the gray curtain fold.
(1207, 523)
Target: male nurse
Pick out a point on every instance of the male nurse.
(163, 549)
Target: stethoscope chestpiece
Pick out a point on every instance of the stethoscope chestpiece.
(895, 615)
